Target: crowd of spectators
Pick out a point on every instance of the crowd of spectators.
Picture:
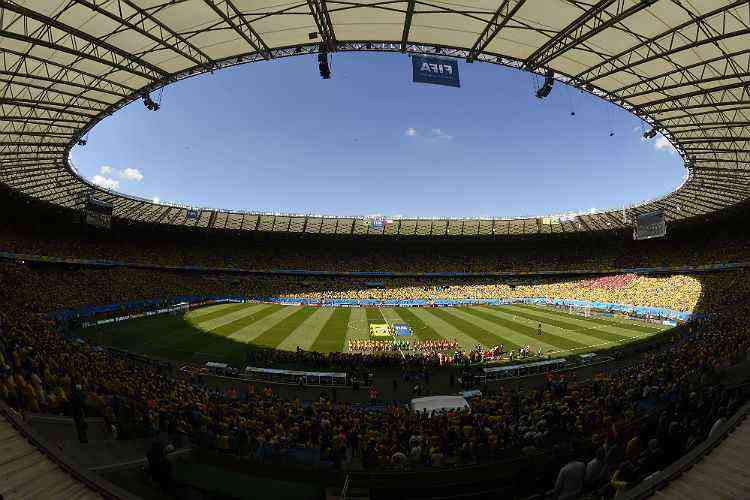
(382, 356)
(59, 236)
(630, 421)
(676, 292)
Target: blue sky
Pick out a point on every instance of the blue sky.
(275, 137)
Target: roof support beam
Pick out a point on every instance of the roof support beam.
(86, 45)
(231, 15)
(715, 105)
(705, 126)
(150, 27)
(9, 82)
(47, 105)
(407, 24)
(705, 204)
(703, 93)
(690, 150)
(34, 144)
(677, 39)
(740, 164)
(701, 72)
(694, 140)
(61, 75)
(319, 11)
(27, 133)
(690, 117)
(500, 18)
(592, 22)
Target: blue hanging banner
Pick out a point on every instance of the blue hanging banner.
(435, 70)
(192, 214)
(401, 330)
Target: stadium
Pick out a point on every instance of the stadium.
(165, 350)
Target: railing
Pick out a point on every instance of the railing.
(661, 479)
(91, 480)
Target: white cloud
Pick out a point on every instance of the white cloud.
(131, 174)
(105, 182)
(663, 144)
(105, 170)
(430, 135)
(437, 133)
(156, 199)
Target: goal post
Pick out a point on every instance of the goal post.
(584, 310)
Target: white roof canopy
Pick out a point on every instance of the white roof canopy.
(682, 66)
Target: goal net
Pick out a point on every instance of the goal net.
(580, 310)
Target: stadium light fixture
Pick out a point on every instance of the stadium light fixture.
(549, 80)
(650, 134)
(325, 69)
(151, 105)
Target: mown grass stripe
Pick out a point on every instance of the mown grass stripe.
(199, 311)
(595, 320)
(357, 327)
(333, 333)
(281, 330)
(418, 327)
(129, 334)
(226, 318)
(576, 336)
(389, 315)
(199, 339)
(239, 324)
(444, 329)
(603, 333)
(192, 328)
(531, 335)
(374, 315)
(482, 336)
(305, 334)
(218, 312)
(225, 343)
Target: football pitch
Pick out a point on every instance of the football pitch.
(225, 332)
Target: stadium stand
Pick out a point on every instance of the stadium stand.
(29, 227)
(32, 468)
(711, 470)
(42, 368)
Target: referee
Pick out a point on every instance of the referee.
(539, 329)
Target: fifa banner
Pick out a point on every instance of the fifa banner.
(651, 225)
(401, 330)
(98, 213)
(436, 70)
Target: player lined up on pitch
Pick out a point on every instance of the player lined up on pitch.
(371, 345)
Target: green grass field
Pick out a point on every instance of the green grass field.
(225, 332)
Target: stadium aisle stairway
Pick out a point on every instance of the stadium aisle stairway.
(723, 474)
(26, 472)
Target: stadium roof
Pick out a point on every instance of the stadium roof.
(681, 65)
